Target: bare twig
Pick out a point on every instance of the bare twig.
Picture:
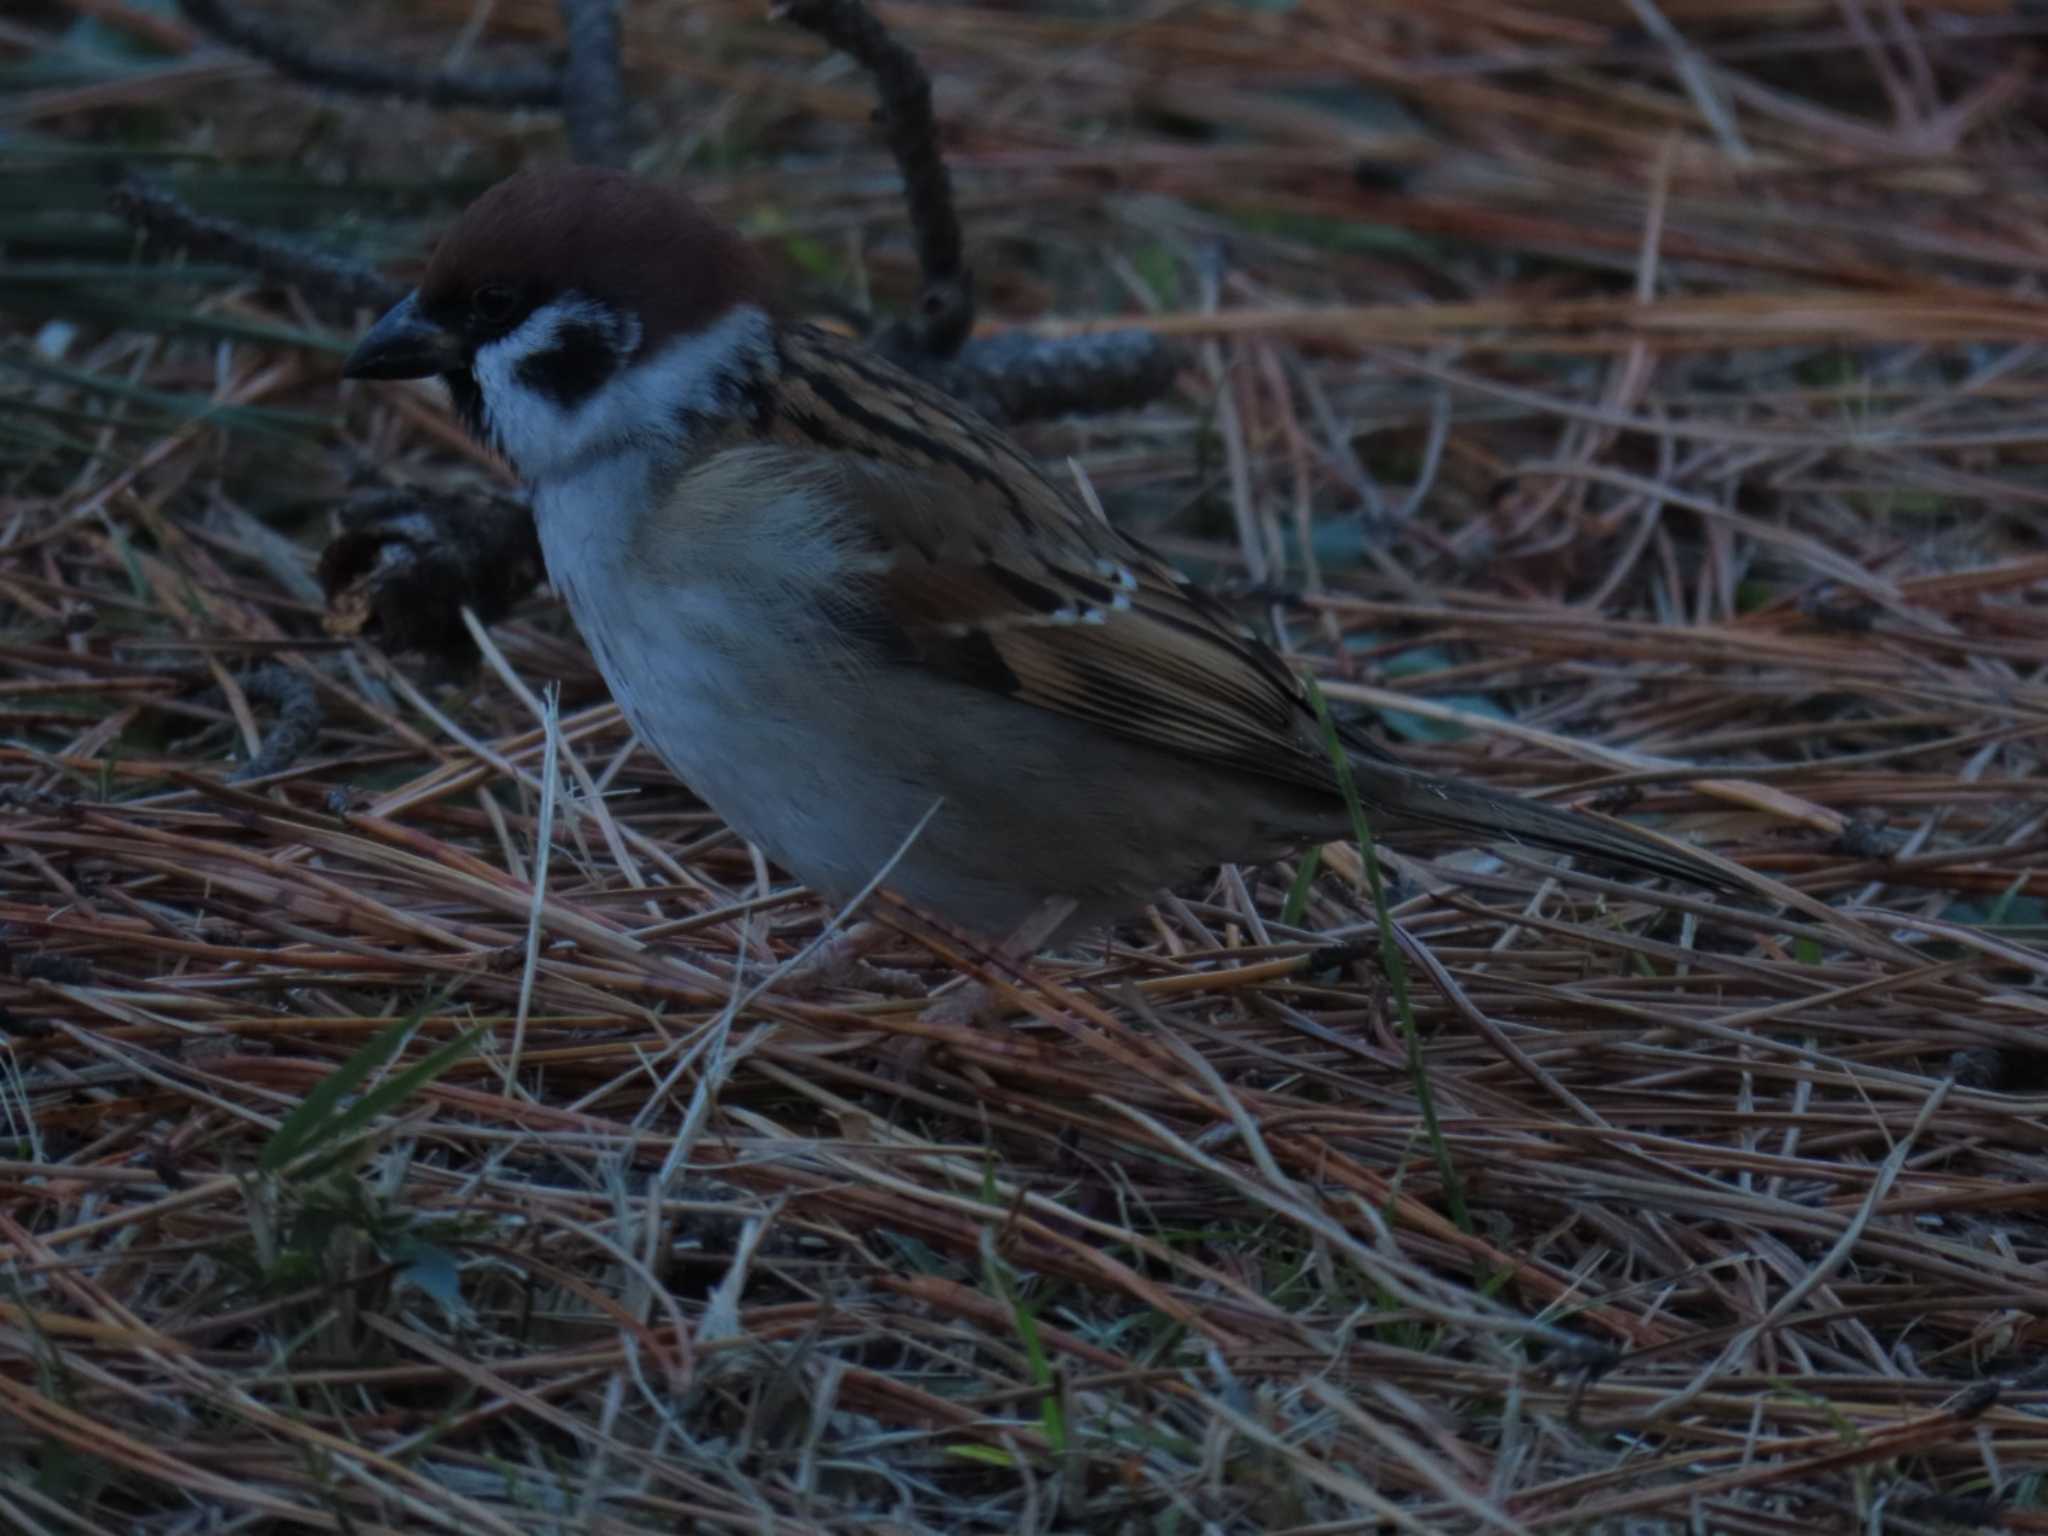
(1007, 378)
(332, 283)
(282, 48)
(593, 91)
(946, 304)
(1017, 377)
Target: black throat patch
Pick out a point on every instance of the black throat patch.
(468, 399)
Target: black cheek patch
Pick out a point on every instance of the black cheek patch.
(583, 357)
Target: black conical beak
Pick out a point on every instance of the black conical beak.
(405, 344)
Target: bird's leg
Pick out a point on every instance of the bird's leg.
(975, 1002)
(842, 961)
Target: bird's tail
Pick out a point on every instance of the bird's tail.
(1396, 797)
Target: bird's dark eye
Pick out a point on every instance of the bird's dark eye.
(493, 303)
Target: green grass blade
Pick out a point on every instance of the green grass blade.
(401, 1086)
(1391, 960)
(306, 1126)
(1304, 881)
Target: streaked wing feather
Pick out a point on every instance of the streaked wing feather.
(1134, 652)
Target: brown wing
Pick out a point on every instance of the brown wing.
(991, 573)
(1114, 641)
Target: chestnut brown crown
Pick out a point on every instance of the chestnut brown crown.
(637, 246)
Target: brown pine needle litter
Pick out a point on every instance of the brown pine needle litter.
(403, 1123)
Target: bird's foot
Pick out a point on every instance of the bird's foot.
(980, 1002)
(842, 961)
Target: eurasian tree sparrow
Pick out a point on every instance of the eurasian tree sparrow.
(832, 599)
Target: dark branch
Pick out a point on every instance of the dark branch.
(946, 304)
(1016, 378)
(593, 90)
(332, 284)
(281, 48)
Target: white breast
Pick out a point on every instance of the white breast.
(672, 642)
(695, 609)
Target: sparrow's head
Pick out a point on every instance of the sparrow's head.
(572, 308)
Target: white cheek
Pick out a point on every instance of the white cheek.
(646, 405)
(529, 425)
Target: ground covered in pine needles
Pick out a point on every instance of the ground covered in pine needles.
(401, 1124)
